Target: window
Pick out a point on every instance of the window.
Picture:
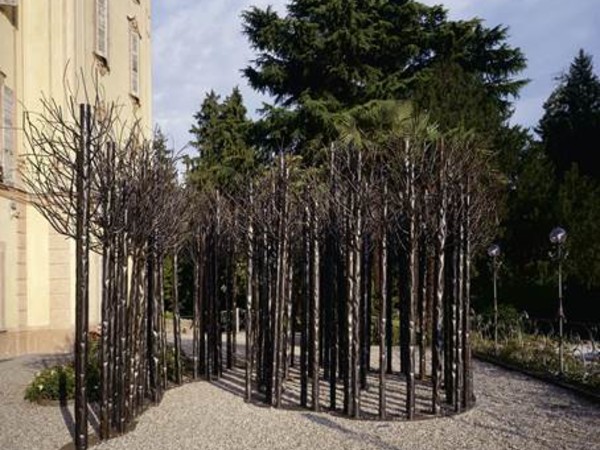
(135, 61)
(8, 128)
(102, 28)
(2, 265)
(1, 130)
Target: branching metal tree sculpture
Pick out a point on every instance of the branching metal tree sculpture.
(98, 181)
(391, 220)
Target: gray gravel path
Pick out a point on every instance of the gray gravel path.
(512, 412)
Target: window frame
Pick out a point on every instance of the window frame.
(102, 54)
(8, 132)
(2, 130)
(2, 284)
(134, 75)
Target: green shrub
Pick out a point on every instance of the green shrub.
(54, 383)
(186, 364)
(511, 323)
(58, 382)
(375, 331)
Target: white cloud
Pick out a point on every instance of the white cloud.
(198, 46)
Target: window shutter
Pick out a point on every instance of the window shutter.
(2, 131)
(135, 63)
(102, 28)
(8, 114)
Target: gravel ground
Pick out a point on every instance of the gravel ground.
(512, 412)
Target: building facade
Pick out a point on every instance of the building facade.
(47, 48)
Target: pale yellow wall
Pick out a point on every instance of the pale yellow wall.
(12, 239)
(38, 270)
(45, 45)
(9, 289)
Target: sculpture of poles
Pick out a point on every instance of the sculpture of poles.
(426, 200)
(307, 239)
(101, 183)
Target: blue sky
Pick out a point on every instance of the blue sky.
(199, 46)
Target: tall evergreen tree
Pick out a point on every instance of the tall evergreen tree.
(327, 56)
(571, 123)
(207, 131)
(221, 134)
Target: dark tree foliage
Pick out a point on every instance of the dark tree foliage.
(571, 123)
(579, 211)
(526, 277)
(221, 135)
(550, 183)
(323, 57)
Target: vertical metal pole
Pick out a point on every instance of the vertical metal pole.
(316, 262)
(306, 294)
(495, 270)
(560, 314)
(176, 318)
(106, 299)
(196, 309)
(383, 310)
(438, 306)
(413, 244)
(249, 300)
(82, 269)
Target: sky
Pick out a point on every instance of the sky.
(198, 45)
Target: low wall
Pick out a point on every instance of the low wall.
(17, 343)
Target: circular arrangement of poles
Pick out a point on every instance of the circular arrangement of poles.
(327, 262)
(331, 258)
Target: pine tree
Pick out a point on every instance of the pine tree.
(207, 129)
(221, 135)
(571, 123)
(328, 56)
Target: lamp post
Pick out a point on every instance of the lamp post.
(494, 254)
(558, 236)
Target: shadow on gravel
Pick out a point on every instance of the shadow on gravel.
(69, 421)
(233, 381)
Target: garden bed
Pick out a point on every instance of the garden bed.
(562, 382)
